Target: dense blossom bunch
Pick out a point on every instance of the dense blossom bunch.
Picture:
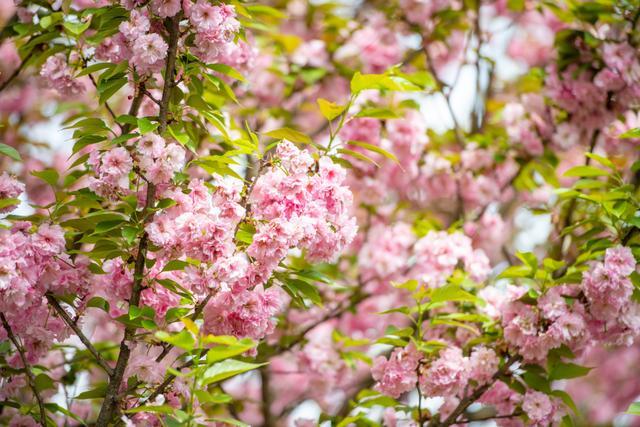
(34, 263)
(304, 213)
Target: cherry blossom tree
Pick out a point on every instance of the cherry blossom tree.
(292, 213)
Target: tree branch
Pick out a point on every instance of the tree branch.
(31, 379)
(267, 417)
(15, 74)
(469, 400)
(111, 400)
(69, 321)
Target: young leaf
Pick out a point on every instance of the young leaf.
(227, 369)
(290, 135)
(10, 151)
(329, 109)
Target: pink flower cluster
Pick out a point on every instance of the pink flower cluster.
(296, 207)
(533, 331)
(528, 123)
(384, 255)
(446, 375)
(111, 169)
(201, 224)
(607, 315)
(145, 50)
(244, 313)
(32, 264)
(439, 253)
(10, 188)
(398, 374)
(607, 285)
(215, 27)
(59, 76)
(159, 160)
(376, 45)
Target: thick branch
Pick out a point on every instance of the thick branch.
(69, 321)
(31, 379)
(267, 417)
(110, 403)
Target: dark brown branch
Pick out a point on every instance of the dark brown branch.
(69, 321)
(473, 397)
(491, 417)
(267, 417)
(166, 347)
(16, 72)
(112, 397)
(30, 377)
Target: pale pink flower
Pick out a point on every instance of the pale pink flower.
(148, 53)
(166, 8)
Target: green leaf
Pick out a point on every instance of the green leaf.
(631, 133)
(105, 226)
(358, 156)
(145, 125)
(129, 233)
(634, 409)
(50, 176)
(206, 397)
(227, 369)
(222, 352)
(586, 171)
(230, 421)
(560, 371)
(378, 113)
(93, 68)
(10, 151)
(452, 292)
(158, 409)
(375, 149)
(300, 287)
(99, 302)
(175, 265)
(182, 339)
(516, 271)
(528, 258)
(76, 28)
(601, 159)
(227, 70)
(4, 203)
(360, 82)
(96, 393)
(43, 382)
(290, 135)
(566, 398)
(329, 109)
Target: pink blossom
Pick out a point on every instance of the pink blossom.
(538, 407)
(244, 314)
(138, 25)
(59, 76)
(447, 375)
(398, 374)
(166, 8)
(484, 364)
(10, 188)
(148, 53)
(620, 260)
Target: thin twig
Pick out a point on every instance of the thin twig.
(477, 393)
(16, 72)
(30, 377)
(69, 321)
